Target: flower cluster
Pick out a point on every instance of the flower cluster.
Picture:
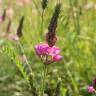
(48, 54)
(92, 88)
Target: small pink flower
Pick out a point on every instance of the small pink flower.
(91, 89)
(10, 12)
(57, 58)
(1, 19)
(41, 49)
(13, 37)
(53, 50)
(50, 53)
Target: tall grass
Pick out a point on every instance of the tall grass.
(76, 38)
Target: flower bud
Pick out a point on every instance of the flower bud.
(51, 35)
(44, 4)
(20, 27)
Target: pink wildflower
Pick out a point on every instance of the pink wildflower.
(0, 19)
(57, 58)
(13, 37)
(10, 12)
(48, 54)
(91, 89)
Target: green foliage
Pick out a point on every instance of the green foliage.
(76, 37)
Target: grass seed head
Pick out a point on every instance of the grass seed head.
(44, 4)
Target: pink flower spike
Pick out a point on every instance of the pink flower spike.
(91, 89)
(57, 58)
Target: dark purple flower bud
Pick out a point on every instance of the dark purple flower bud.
(4, 15)
(44, 4)
(20, 27)
(51, 39)
(2, 18)
(51, 35)
(94, 81)
(8, 30)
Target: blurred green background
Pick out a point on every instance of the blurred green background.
(76, 33)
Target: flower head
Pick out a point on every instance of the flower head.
(48, 54)
(57, 58)
(91, 89)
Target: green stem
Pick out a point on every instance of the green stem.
(37, 8)
(30, 77)
(43, 79)
(42, 21)
(75, 19)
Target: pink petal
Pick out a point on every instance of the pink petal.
(91, 89)
(57, 58)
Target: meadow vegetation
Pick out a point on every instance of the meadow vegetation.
(24, 25)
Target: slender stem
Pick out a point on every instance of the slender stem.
(75, 19)
(43, 79)
(42, 21)
(30, 77)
